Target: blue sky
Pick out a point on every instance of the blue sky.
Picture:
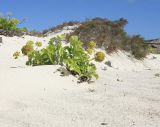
(143, 15)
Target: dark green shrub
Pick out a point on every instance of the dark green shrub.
(111, 36)
(102, 31)
(9, 23)
(138, 47)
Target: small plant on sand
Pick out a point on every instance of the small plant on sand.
(99, 56)
(38, 44)
(16, 55)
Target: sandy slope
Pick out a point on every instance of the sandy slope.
(38, 97)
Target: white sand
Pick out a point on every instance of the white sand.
(38, 97)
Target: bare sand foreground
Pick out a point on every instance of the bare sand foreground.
(126, 94)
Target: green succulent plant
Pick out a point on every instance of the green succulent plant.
(78, 60)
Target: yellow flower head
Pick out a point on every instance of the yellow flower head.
(99, 56)
(89, 51)
(30, 43)
(92, 44)
(38, 44)
(26, 49)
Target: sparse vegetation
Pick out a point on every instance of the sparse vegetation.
(153, 50)
(138, 47)
(111, 36)
(16, 55)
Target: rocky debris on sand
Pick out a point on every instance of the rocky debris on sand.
(12, 33)
(64, 72)
(157, 75)
(104, 68)
(1, 40)
(108, 63)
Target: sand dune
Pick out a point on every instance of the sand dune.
(126, 94)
